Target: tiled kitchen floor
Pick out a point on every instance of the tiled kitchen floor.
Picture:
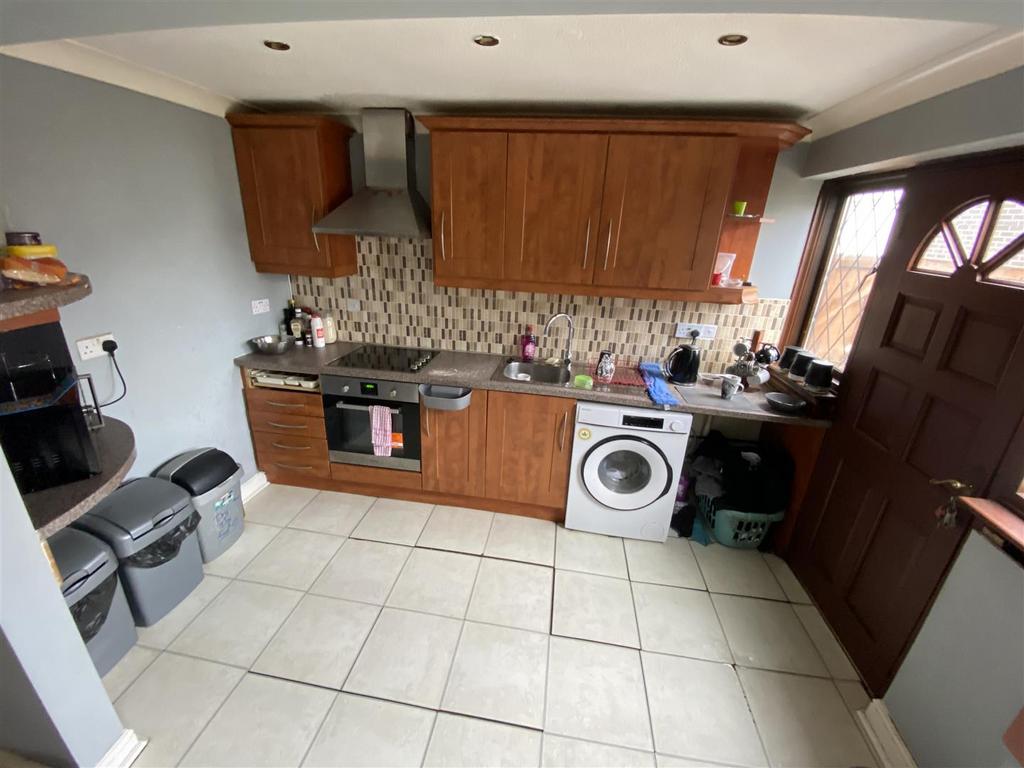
(341, 630)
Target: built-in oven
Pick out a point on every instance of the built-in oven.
(347, 404)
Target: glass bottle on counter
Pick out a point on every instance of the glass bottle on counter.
(528, 345)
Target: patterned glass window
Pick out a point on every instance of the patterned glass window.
(862, 233)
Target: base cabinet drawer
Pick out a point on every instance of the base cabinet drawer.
(297, 448)
(277, 461)
(279, 402)
(286, 424)
(356, 473)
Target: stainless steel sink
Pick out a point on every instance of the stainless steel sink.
(537, 373)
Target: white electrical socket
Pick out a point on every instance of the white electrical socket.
(92, 346)
(684, 330)
(260, 306)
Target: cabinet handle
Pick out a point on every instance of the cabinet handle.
(283, 405)
(561, 438)
(443, 256)
(607, 244)
(284, 447)
(586, 245)
(293, 466)
(286, 426)
(426, 420)
(315, 241)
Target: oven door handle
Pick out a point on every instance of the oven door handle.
(351, 407)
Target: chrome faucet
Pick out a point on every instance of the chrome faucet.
(567, 356)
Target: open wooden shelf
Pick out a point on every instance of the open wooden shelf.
(17, 302)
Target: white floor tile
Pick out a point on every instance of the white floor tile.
(406, 658)
(794, 590)
(854, 694)
(698, 710)
(360, 732)
(679, 621)
(457, 529)
(590, 553)
(332, 512)
(767, 635)
(671, 761)
(393, 521)
(596, 692)
(162, 634)
(128, 669)
(264, 722)
(319, 642)
(252, 541)
(277, 504)
(527, 539)
(670, 563)
(171, 702)
(435, 582)
(803, 721)
(562, 752)
(839, 665)
(737, 572)
(463, 742)
(512, 594)
(236, 626)
(363, 571)
(593, 607)
(293, 559)
(498, 674)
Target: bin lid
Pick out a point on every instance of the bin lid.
(139, 506)
(198, 471)
(79, 557)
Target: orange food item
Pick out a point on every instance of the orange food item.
(42, 271)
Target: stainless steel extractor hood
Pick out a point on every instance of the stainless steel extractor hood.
(389, 204)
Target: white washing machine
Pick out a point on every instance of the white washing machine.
(625, 469)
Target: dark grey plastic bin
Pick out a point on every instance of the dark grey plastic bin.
(150, 524)
(439, 397)
(214, 481)
(93, 592)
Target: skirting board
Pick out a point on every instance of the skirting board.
(254, 485)
(885, 740)
(124, 751)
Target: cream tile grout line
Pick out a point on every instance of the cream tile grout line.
(400, 305)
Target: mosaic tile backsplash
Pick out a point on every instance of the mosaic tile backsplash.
(400, 305)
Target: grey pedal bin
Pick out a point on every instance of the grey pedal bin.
(150, 524)
(94, 595)
(214, 481)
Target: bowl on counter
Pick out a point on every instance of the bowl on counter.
(784, 403)
(271, 345)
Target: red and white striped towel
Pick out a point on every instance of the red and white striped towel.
(380, 429)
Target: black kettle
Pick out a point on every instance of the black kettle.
(683, 363)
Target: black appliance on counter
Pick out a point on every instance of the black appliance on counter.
(683, 363)
(347, 403)
(45, 427)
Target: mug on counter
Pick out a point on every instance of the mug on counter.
(730, 385)
(800, 365)
(819, 374)
(789, 355)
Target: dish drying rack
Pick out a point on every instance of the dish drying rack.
(299, 382)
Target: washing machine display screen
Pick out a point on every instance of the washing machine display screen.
(643, 421)
(624, 472)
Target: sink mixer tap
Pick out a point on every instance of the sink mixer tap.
(567, 355)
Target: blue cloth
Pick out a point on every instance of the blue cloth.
(657, 388)
(698, 533)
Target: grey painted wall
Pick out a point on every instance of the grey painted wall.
(962, 682)
(53, 707)
(988, 114)
(142, 195)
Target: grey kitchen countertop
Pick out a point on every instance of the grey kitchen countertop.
(484, 371)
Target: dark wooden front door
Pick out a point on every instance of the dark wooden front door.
(933, 390)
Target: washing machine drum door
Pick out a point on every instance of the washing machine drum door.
(626, 473)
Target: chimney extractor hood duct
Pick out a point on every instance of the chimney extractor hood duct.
(389, 205)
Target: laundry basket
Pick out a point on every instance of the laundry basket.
(731, 528)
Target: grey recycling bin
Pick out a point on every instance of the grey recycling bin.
(150, 524)
(95, 597)
(214, 481)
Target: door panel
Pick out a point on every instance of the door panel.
(932, 390)
(554, 200)
(469, 203)
(454, 445)
(664, 199)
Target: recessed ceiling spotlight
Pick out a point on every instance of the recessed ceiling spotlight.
(732, 40)
(487, 41)
(277, 45)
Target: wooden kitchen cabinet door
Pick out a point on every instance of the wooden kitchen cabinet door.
(553, 206)
(452, 449)
(292, 170)
(664, 199)
(529, 444)
(468, 194)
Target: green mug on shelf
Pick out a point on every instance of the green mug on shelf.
(739, 207)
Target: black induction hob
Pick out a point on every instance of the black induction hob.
(376, 357)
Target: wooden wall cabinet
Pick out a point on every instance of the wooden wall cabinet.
(292, 170)
(453, 445)
(529, 445)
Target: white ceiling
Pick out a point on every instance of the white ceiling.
(827, 71)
